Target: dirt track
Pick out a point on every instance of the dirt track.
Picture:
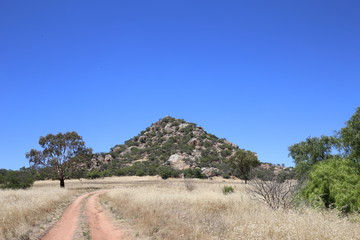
(100, 226)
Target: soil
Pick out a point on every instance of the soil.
(71, 225)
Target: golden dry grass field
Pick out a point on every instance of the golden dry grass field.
(153, 208)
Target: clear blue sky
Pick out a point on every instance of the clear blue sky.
(262, 74)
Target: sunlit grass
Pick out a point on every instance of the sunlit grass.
(171, 209)
(171, 212)
(22, 212)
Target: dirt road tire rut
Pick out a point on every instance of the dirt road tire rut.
(100, 225)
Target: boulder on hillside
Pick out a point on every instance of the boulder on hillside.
(177, 162)
(210, 172)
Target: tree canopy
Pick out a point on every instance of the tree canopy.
(311, 151)
(62, 154)
(243, 162)
(350, 136)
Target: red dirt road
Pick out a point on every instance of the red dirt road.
(100, 226)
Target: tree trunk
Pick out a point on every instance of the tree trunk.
(246, 179)
(62, 182)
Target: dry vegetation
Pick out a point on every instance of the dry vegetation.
(171, 209)
(25, 213)
(28, 214)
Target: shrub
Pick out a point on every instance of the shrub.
(193, 173)
(226, 175)
(226, 153)
(93, 174)
(167, 172)
(114, 154)
(106, 173)
(140, 173)
(334, 183)
(274, 193)
(120, 172)
(131, 143)
(17, 179)
(227, 190)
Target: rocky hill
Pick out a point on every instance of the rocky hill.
(175, 143)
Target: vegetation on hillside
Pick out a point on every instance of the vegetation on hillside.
(174, 147)
(174, 136)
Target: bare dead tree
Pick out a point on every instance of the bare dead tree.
(273, 193)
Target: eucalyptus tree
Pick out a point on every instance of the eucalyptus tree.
(61, 154)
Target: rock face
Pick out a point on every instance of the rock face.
(210, 172)
(177, 162)
(100, 159)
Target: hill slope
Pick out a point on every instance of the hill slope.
(175, 143)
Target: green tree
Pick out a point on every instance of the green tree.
(334, 183)
(61, 154)
(243, 162)
(350, 136)
(23, 178)
(311, 151)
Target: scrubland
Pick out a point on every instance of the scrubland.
(171, 209)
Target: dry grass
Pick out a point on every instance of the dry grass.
(167, 210)
(25, 212)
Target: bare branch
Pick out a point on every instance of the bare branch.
(273, 193)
